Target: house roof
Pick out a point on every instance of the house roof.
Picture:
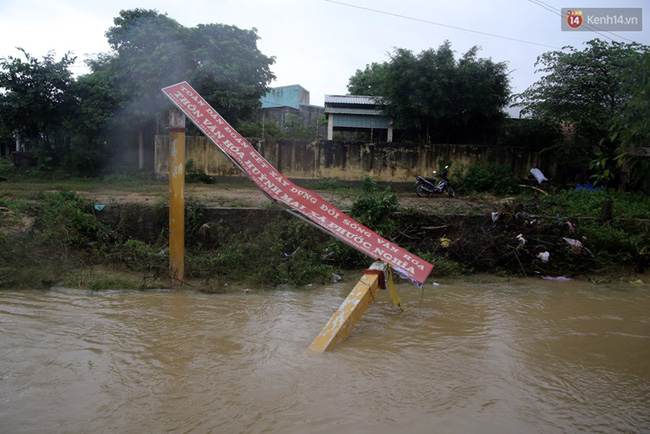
(353, 99)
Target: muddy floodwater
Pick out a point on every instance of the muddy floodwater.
(484, 355)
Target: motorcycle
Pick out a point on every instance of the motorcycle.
(425, 187)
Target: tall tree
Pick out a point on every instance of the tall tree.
(584, 90)
(435, 96)
(623, 155)
(35, 97)
(151, 51)
(228, 69)
(368, 82)
(99, 97)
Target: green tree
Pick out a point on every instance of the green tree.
(622, 151)
(151, 51)
(98, 97)
(583, 90)
(228, 69)
(36, 99)
(533, 134)
(368, 82)
(222, 62)
(435, 96)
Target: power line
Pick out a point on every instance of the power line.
(441, 24)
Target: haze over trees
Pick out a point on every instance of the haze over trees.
(41, 100)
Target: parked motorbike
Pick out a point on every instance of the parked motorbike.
(425, 187)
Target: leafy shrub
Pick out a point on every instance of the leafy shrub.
(493, 178)
(67, 221)
(289, 252)
(268, 129)
(374, 207)
(443, 266)
(194, 175)
(83, 159)
(140, 256)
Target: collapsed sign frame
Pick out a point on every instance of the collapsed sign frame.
(280, 189)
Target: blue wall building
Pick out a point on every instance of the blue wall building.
(279, 102)
(286, 96)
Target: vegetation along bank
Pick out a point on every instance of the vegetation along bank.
(113, 233)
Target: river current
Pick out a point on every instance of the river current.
(482, 354)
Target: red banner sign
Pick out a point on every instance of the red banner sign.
(282, 190)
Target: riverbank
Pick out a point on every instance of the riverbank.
(101, 235)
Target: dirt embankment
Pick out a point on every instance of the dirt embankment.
(251, 197)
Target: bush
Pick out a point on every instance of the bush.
(194, 175)
(268, 129)
(443, 266)
(67, 222)
(288, 252)
(83, 159)
(493, 178)
(374, 207)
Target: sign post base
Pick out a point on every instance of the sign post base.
(354, 306)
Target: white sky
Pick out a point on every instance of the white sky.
(319, 44)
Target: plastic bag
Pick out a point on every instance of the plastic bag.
(539, 176)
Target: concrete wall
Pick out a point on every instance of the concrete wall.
(350, 161)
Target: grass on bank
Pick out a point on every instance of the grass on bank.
(66, 240)
(583, 203)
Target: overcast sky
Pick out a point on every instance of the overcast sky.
(319, 44)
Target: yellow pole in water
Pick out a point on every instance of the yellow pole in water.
(176, 195)
(344, 319)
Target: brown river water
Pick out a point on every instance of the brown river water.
(483, 355)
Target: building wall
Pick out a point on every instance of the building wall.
(286, 96)
(360, 121)
(350, 161)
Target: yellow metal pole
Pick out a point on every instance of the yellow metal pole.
(176, 195)
(344, 319)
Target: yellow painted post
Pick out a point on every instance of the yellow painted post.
(344, 319)
(176, 195)
(391, 290)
